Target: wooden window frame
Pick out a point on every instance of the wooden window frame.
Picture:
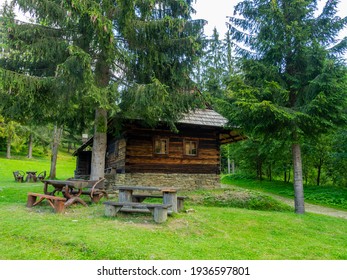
(158, 138)
(185, 142)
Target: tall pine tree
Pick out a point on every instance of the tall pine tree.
(292, 86)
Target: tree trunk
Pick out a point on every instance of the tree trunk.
(8, 150)
(99, 145)
(55, 147)
(30, 146)
(298, 184)
(102, 79)
(69, 147)
(319, 171)
(260, 169)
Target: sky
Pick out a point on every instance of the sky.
(216, 11)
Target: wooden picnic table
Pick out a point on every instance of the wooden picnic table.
(169, 195)
(31, 176)
(126, 192)
(71, 190)
(95, 189)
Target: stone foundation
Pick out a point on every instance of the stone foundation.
(179, 181)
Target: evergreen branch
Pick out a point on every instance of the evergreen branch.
(32, 24)
(24, 75)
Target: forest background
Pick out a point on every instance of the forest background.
(324, 155)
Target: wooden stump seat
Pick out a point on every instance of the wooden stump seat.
(159, 211)
(57, 203)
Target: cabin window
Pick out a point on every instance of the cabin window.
(161, 146)
(190, 148)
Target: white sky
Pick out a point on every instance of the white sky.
(216, 11)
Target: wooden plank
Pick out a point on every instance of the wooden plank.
(138, 188)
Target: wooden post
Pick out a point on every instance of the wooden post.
(170, 197)
(59, 206)
(180, 203)
(125, 196)
(110, 210)
(31, 200)
(160, 214)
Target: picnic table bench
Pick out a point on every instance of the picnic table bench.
(57, 202)
(159, 211)
(169, 195)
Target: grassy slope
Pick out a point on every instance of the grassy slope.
(323, 195)
(206, 232)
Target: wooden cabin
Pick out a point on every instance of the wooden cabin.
(146, 156)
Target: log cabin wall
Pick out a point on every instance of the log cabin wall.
(131, 158)
(115, 155)
(141, 157)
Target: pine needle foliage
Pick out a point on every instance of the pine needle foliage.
(293, 81)
(134, 58)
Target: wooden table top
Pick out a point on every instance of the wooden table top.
(137, 188)
(63, 183)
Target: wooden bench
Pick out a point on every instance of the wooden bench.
(141, 197)
(159, 211)
(57, 203)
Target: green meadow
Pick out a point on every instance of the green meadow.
(225, 224)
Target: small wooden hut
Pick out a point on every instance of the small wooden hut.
(147, 156)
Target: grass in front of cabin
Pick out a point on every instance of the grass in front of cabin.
(212, 228)
(204, 232)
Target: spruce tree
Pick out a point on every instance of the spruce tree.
(133, 56)
(293, 82)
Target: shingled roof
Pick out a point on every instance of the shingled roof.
(204, 117)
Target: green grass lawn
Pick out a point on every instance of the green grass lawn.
(217, 226)
(65, 166)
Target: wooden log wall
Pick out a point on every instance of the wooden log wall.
(115, 155)
(140, 157)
